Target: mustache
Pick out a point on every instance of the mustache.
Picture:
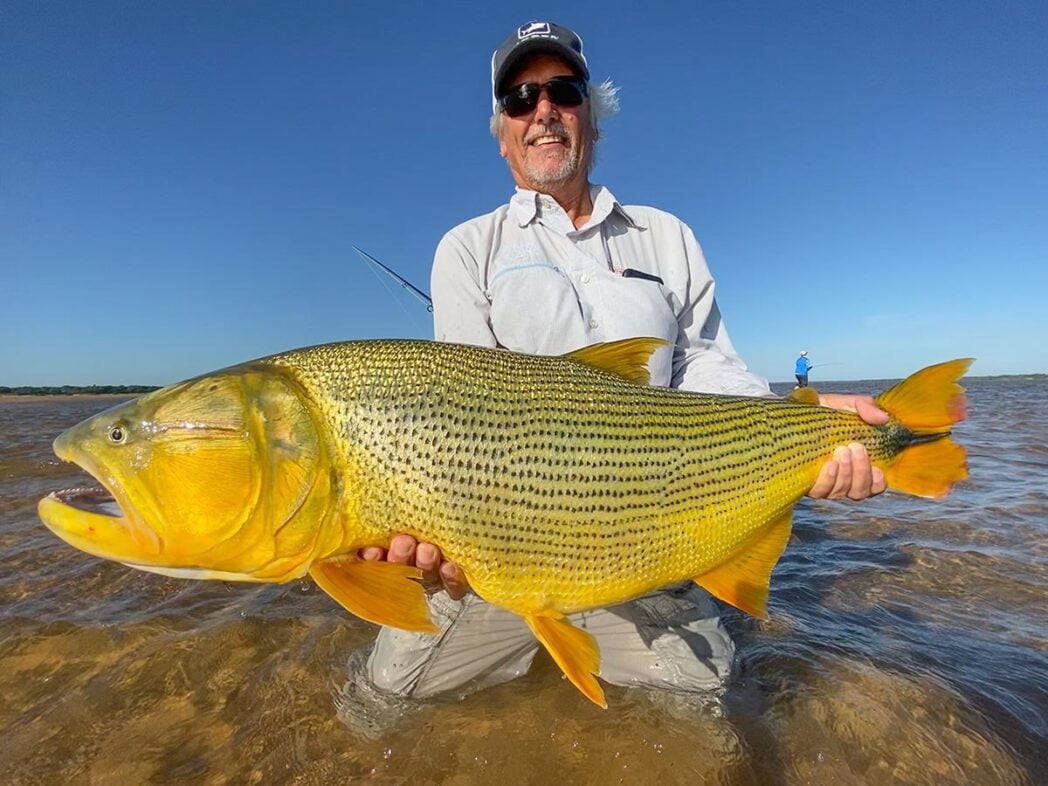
(554, 128)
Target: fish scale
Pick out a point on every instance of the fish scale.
(448, 453)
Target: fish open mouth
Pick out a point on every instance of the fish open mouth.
(92, 520)
(90, 500)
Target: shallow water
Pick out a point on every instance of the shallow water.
(907, 643)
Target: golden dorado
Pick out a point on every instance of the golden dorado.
(558, 484)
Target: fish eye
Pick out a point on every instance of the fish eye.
(117, 434)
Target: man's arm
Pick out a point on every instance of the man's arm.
(461, 311)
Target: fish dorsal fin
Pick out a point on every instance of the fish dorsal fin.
(574, 650)
(805, 395)
(743, 580)
(627, 358)
(381, 592)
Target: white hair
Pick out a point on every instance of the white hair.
(603, 103)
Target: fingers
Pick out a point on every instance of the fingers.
(436, 572)
(826, 481)
(861, 473)
(427, 559)
(863, 406)
(402, 550)
(867, 409)
(849, 474)
(454, 580)
(373, 553)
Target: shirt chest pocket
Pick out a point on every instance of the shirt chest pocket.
(638, 307)
(536, 309)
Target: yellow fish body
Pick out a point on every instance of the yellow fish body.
(558, 484)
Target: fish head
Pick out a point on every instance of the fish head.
(223, 476)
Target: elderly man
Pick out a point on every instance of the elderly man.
(561, 266)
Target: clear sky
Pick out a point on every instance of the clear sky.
(181, 183)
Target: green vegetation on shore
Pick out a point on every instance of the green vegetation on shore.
(73, 390)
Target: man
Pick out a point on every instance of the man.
(564, 265)
(801, 369)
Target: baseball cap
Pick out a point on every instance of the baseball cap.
(536, 37)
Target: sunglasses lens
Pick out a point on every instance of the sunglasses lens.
(525, 97)
(566, 92)
(521, 100)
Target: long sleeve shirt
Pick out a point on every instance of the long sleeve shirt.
(524, 278)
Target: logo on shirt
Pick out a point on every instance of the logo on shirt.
(532, 28)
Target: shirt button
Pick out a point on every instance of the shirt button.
(585, 278)
(593, 323)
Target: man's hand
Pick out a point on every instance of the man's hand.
(850, 474)
(436, 571)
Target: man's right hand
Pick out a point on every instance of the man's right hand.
(436, 571)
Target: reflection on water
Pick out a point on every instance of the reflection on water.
(907, 644)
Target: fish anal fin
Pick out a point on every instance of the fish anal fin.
(381, 592)
(805, 395)
(928, 469)
(627, 358)
(743, 580)
(574, 650)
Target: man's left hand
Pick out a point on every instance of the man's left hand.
(849, 473)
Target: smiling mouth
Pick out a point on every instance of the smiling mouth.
(548, 139)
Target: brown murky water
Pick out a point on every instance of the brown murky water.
(908, 643)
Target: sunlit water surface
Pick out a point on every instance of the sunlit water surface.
(906, 644)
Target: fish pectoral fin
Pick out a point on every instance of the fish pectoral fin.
(805, 395)
(627, 358)
(381, 592)
(743, 580)
(574, 650)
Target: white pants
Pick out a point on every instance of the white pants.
(671, 640)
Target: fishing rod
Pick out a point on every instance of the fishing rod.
(820, 365)
(418, 293)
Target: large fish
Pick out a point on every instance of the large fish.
(559, 484)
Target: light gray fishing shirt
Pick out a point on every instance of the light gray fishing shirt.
(524, 278)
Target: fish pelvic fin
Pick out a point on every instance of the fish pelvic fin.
(928, 403)
(381, 592)
(574, 650)
(627, 358)
(743, 580)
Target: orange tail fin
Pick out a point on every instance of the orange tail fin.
(928, 403)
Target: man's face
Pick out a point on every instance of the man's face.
(550, 146)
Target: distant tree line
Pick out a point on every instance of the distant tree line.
(71, 390)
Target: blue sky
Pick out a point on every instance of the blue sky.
(181, 183)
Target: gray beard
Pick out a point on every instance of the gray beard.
(569, 164)
(544, 176)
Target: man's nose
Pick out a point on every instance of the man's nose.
(546, 109)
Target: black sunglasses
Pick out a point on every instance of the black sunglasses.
(562, 91)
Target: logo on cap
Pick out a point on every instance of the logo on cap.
(532, 28)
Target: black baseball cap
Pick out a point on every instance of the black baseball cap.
(536, 37)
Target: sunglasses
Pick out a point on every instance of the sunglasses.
(562, 91)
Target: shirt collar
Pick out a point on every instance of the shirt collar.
(525, 207)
